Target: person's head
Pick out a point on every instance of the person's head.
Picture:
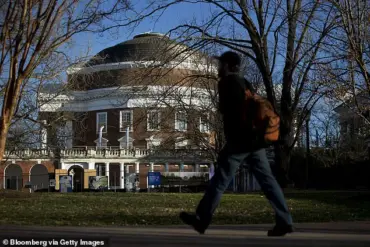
(229, 62)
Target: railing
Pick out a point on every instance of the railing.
(93, 152)
(28, 153)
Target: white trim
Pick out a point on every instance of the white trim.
(123, 139)
(68, 166)
(207, 131)
(177, 121)
(124, 97)
(186, 65)
(131, 119)
(5, 174)
(97, 122)
(159, 120)
(103, 140)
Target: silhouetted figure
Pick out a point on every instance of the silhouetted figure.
(243, 145)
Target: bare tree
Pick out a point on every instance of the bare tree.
(331, 144)
(283, 39)
(34, 32)
(349, 71)
(181, 84)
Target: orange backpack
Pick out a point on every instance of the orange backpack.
(265, 121)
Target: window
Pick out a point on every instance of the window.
(180, 121)
(100, 169)
(101, 120)
(204, 123)
(125, 120)
(153, 122)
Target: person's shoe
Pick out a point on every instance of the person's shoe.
(279, 231)
(193, 221)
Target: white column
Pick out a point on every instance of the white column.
(166, 167)
(151, 169)
(137, 167)
(197, 167)
(107, 172)
(137, 171)
(44, 135)
(127, 171)
(122, 175)
(91, 165)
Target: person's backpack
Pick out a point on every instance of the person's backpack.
(266, 121)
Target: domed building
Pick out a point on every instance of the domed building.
(142, 105)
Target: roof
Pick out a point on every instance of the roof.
(143, 47)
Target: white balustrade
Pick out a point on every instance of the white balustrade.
(27, 153)
(93, 152)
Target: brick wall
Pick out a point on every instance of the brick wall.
(140, 133)
(25, 170)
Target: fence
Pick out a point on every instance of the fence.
(128, 182)
(115, 182)
(22, 181)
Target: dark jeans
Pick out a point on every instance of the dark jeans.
(228, 164)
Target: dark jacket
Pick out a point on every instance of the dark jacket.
(238, 133)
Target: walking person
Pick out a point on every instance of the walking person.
(243, 145)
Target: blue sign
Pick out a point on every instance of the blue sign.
(154, 178)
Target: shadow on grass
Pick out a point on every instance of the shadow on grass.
(350, 205)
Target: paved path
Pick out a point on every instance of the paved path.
(328, 234)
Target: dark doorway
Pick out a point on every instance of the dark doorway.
(77, 178)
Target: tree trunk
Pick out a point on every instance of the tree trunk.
(4, 128)
(282, 161)
(283, 147)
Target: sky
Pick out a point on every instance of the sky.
(169, 19)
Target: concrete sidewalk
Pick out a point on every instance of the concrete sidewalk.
(352, 234)
(358, 227)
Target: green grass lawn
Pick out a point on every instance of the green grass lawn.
(114, 209)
